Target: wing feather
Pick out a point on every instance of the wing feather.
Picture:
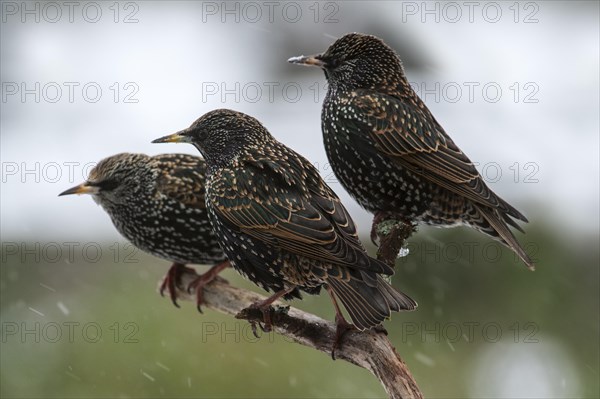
(294, 210)
(182, 178)
(414, 139)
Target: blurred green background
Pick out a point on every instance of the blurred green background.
(486, 326)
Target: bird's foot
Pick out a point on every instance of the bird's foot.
(378, 218)
(171, 280)
(265, 308)
(253, 325)
(341, 328)
(381, 217)
(199, 282)
(374, 234)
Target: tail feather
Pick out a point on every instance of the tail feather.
(362, 313)
(511, 222)
(511, 211)
(369, 305)
(397, 301)
(499, 225)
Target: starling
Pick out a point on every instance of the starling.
(391, 154)
(281, 226)
(157, 203)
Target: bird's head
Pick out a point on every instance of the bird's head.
(220, 135)
(114, 180)
(357, 61)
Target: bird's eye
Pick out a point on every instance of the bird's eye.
(332, 62)
(106, 185)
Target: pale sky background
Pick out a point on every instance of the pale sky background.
(554, 61)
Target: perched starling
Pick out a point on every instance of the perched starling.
(281, 225)
(157, 203)
(391, 154)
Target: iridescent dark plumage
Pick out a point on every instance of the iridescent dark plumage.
(281, 225)
(391, 154)
(157, 203)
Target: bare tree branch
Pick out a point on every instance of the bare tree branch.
(368, 349)
(371, 349)
(392, 233)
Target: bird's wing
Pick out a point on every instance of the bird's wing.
(182, 178)
(414, 139)
(287, 205)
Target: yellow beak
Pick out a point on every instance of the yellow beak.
(83, 188)
(179, 137)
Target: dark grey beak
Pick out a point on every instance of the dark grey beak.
(308, 60)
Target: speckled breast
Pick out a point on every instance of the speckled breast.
(376, 183)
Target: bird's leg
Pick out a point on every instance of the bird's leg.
(171, 280)
(265, 307)
(203, 279)
(341, 325)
